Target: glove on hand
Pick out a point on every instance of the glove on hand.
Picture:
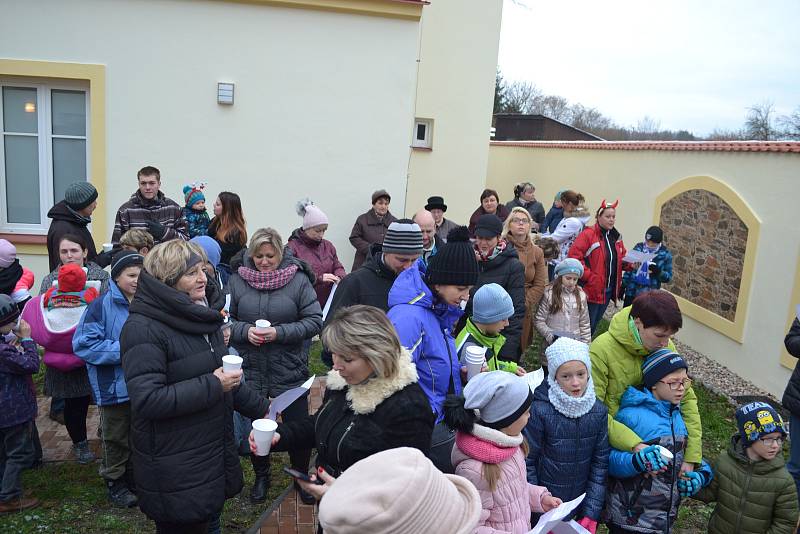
(156, 229)
(654, 269)
(103, 259)
(648, 459)
(690, 483)
(588, 524)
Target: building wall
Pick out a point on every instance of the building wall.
(323, 100)
(760, 187)
(459, 44)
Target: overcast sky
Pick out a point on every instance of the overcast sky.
(690, 64)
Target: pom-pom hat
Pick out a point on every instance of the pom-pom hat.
(311, 214)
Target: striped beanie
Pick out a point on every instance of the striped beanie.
(193, 193)
(403, 237)
(659, 364)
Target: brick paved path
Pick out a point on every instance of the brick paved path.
(56, 445)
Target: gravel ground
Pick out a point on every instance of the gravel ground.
(712, 374)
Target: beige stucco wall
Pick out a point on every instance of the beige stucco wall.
(323, 101)
(767, 182)
(459, 44)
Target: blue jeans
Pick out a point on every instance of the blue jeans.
(214, 526)
(16, 454)
(596, 311)
(794, 450)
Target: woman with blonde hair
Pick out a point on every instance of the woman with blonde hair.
(373, 401)
(517, 230)
(269, 283)
(184, 456)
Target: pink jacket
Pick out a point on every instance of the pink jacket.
(57, 344)
(508, 508)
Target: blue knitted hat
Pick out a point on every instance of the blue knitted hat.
(659, 364)
(569, 266)
(193, 193)
(212, 248)
(491, 304)
(756, 419)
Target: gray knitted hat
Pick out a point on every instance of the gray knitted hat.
(491, 304)
(403, 237)
(499, 396)
(79, 195)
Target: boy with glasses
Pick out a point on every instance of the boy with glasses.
(645, 485)
(752, 488)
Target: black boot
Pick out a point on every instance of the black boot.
(119, 494)
(261, 465)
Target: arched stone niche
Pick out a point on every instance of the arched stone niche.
(712, 234)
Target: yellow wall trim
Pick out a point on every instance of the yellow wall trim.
(96, 76)
(375, 8)
(787, 360)
(733, 329)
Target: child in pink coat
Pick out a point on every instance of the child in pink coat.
(490, 451)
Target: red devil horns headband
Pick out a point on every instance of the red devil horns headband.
(604, 204)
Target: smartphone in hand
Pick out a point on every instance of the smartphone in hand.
(294, 473)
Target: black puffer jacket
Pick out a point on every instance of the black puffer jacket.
(293, 310)
(369, 284)
(66, 222)
(791, 396)
(183, 450)
(357, 421)
(507, 271)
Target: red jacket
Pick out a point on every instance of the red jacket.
(589, 249)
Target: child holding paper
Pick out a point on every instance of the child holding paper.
(563, 310)
(645, 486)
(568, 432)
(491, 308)
(651, 274)
(490, 450)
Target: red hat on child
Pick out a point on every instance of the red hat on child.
(71, 278)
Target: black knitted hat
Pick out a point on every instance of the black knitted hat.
(454, 263)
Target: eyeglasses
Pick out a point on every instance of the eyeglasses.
(686, 383)
(517, 220)
(769, 442)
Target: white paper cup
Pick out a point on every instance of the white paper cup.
(108, 247)
(263, 430)
(262, 325)
(665, 453)
(231, 362)
(474, 369)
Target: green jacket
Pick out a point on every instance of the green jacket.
(752, 497)
(470, 335)
(616, 364)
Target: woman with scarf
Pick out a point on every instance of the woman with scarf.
(517, 231)
(425, 303)
(270, 283)
(184, 456)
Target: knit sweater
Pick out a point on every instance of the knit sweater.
(137, 211)
(17, 397)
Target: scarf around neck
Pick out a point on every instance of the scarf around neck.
(268, 280)
(488, 445)
(9, 277)
(567, 405)
(501, 246)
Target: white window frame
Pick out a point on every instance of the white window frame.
(44, 88)
(428, 141)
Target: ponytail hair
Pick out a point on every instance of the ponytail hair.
(456, 416)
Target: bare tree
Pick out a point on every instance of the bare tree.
(760, 122)
(521, 97)
(791, 125)
(587, 118)
(648, 126)
(726, 135)
(556, 107)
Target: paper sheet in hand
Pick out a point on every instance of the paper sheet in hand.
(328, 302)
(282, 401)
(637, 256)
(534, 378)
(551, 519)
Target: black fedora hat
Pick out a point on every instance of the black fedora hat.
(436, 203)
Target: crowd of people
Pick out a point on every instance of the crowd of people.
(429, 422)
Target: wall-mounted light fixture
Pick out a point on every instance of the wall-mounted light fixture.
(225, 93)
(30, 107)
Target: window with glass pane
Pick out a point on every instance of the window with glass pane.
(21, 154)
(19, 110)
(68, 110)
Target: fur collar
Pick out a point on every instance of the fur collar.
(501, 439)
(364, 398)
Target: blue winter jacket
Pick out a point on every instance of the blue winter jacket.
(635, 284)
(425, 329)
(554, 216)
(568, 456)
(96, 341)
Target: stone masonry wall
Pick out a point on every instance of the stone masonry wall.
(708, 241)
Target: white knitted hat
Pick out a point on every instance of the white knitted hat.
(399, 491)
(565, 350)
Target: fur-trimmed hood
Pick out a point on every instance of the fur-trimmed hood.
(364, 398)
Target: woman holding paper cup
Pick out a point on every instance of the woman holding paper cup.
(373, 400)
(270, 284)
(182, 401)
